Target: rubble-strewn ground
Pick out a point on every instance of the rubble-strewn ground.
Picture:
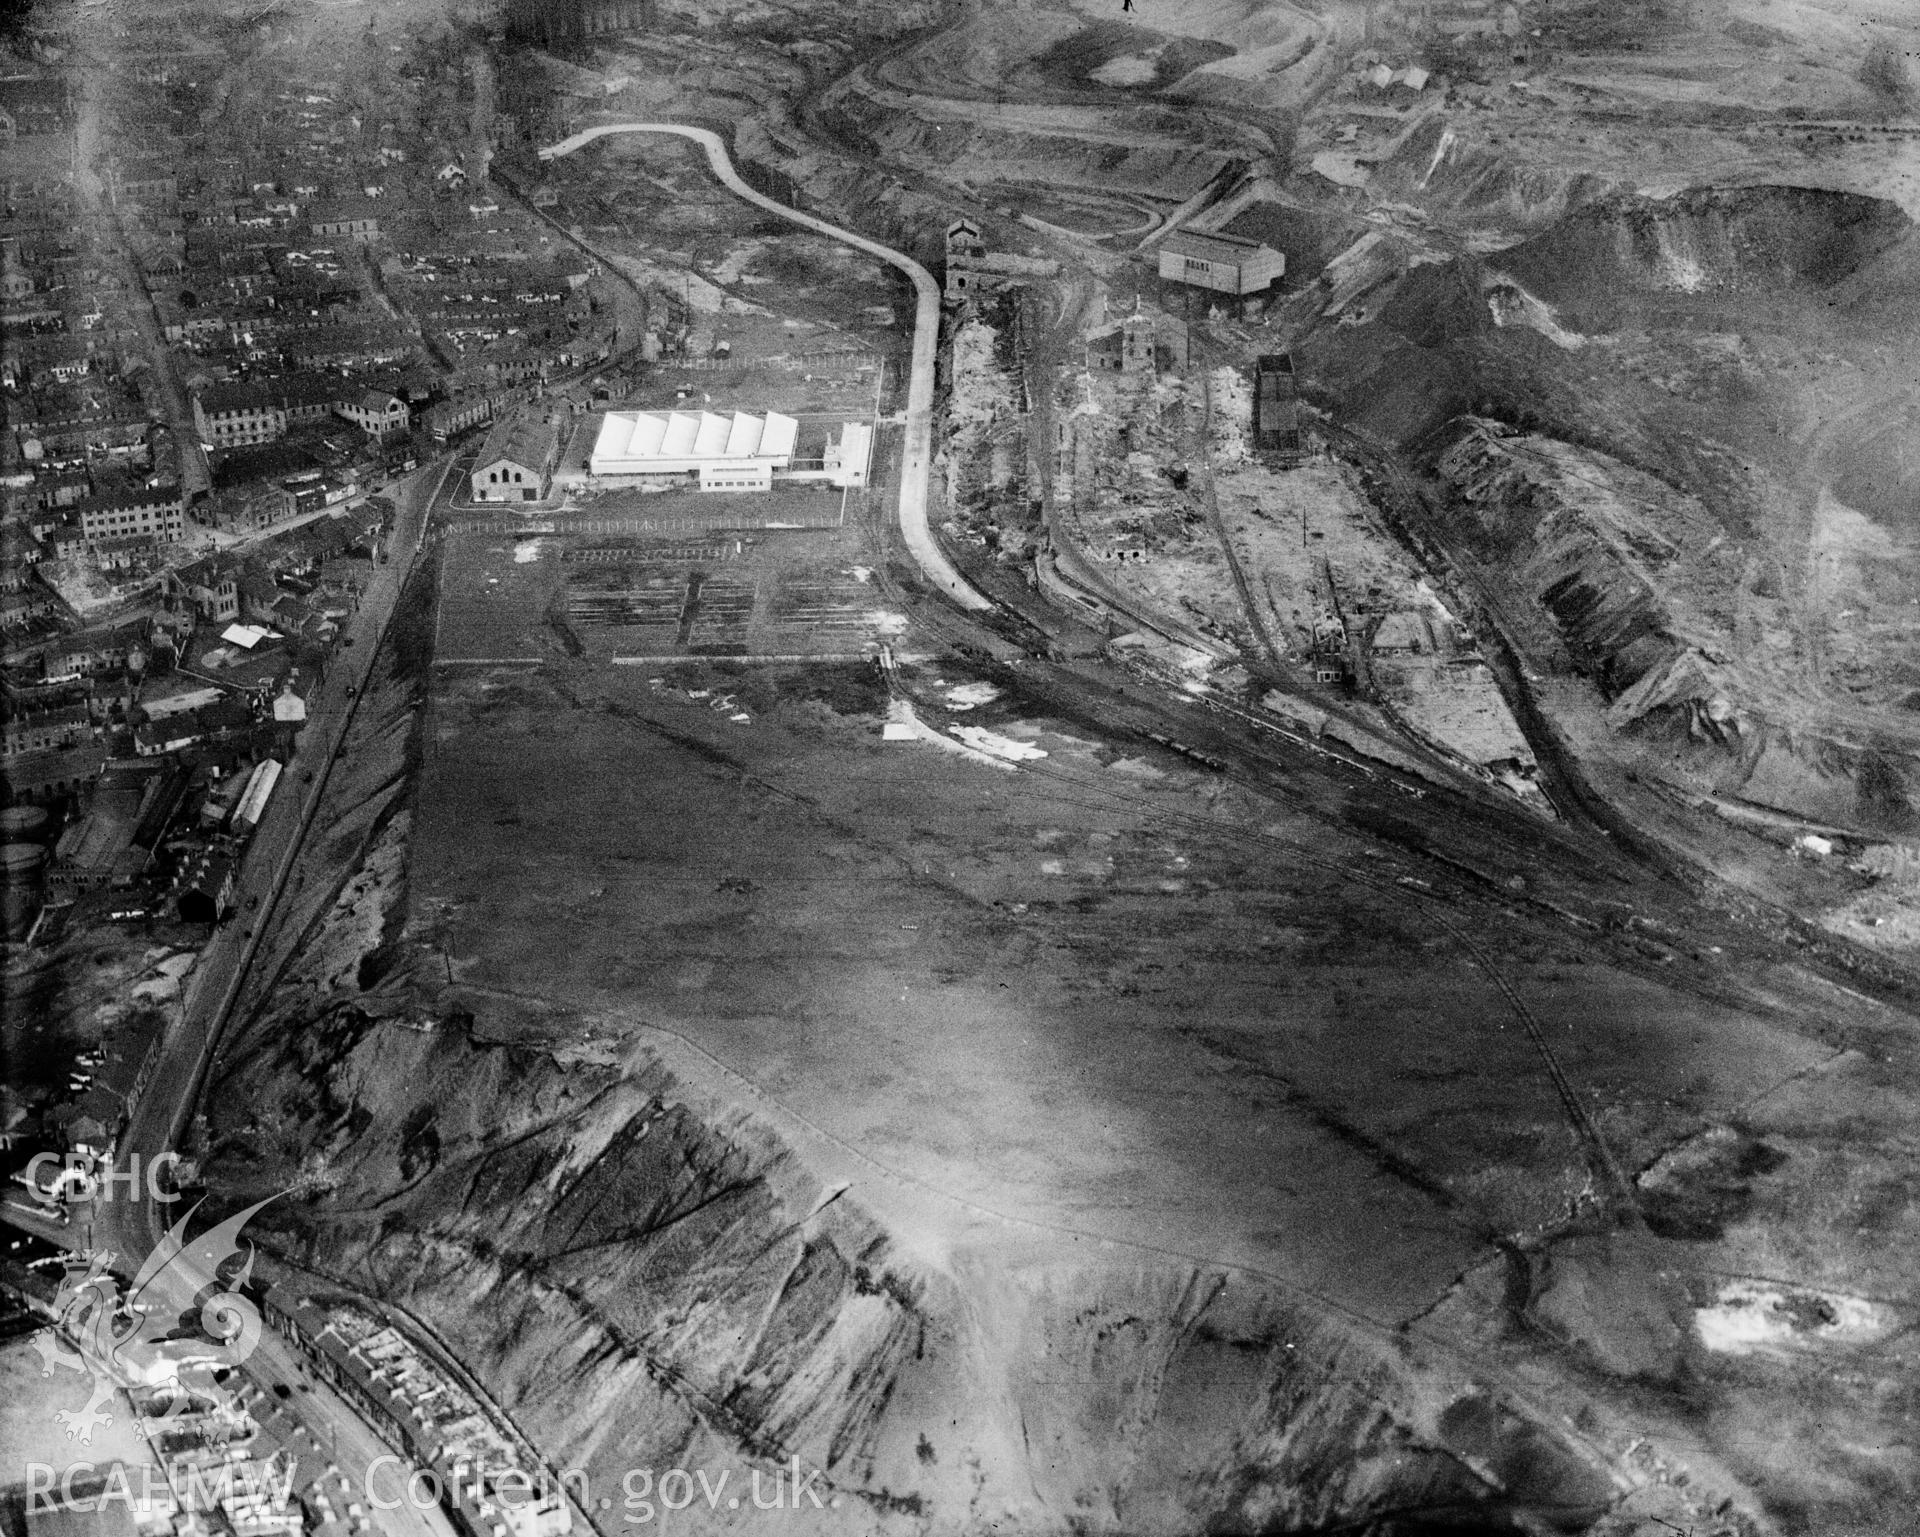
(59, 1002)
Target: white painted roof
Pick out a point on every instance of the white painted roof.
(630, 440)
(781, 434)
(681, 436)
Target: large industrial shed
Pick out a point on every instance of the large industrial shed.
(729, 453)
(1225, 263)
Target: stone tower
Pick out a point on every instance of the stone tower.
(1137, 340)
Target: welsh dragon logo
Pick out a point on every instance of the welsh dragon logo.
(178, 1324)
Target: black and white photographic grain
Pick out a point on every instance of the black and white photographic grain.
(959, 768)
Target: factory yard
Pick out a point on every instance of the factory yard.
(750, 319)
(691, 580)
(623, 566)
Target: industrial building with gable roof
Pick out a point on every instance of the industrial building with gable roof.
(516, 461)
(1224, 263)
(739, 452)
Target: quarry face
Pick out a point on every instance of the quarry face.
(1267, 882)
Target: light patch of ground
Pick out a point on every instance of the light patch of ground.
(60, 1002)
(88, 590)
(1845, 554)
(1756, 54)
(156, 990)
(980, 391)
(1512, 305)
(905, 725)
(699, 294)
(1340, 168)
(1267, 39)
(1885, 917)
(1456, 704)
(1307, 538)
(1129, 69)
(1232, 420)
(999, 746)
(359, 917)
(967, 696)
(982, 416)
(733, 265)
(1754, 1318)
(30, 1397)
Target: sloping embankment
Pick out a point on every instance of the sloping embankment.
(648, 1276)
(1618, 578)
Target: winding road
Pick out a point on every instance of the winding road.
(916, 458)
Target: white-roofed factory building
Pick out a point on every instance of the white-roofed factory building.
(735, 452)
(732, 451)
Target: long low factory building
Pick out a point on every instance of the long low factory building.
(738, 452)
(733, 452)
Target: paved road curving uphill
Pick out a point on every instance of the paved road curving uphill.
(916, 460)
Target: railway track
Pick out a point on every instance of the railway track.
(1203, 458)
(1621, 1198)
